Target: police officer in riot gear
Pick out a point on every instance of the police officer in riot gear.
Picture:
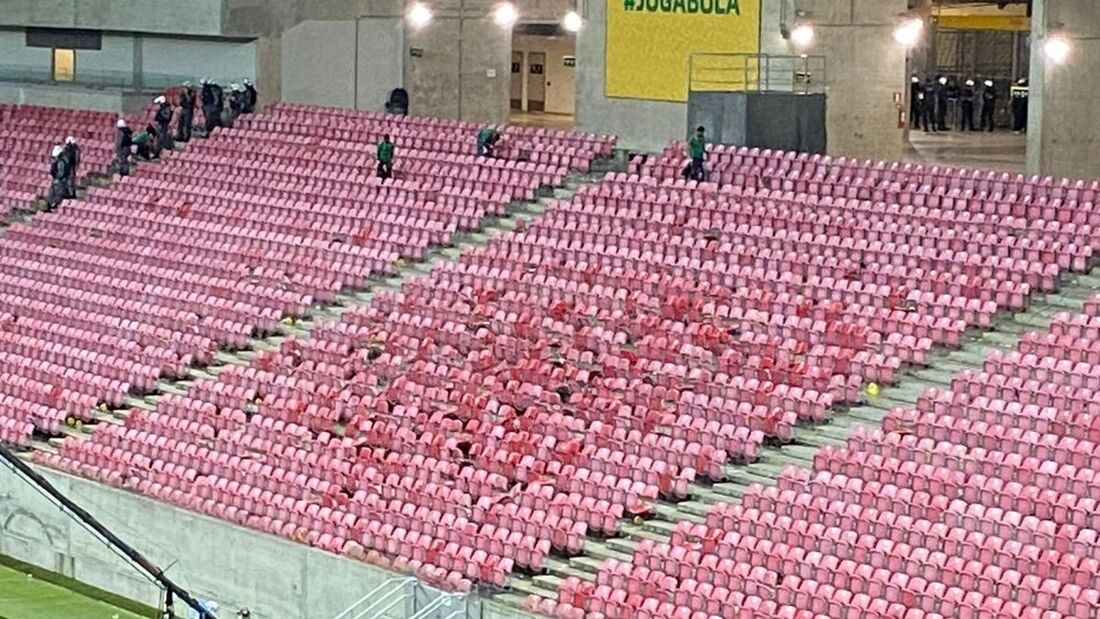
(989, 105)
(914, 102)
(941, 103)
(928, 104)
(1019, 106)
(967, 98)
(187, 113)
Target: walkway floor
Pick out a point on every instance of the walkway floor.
(1000, 150)
(565, 122)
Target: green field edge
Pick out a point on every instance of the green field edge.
(78, 587)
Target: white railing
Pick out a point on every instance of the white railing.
(407, 598)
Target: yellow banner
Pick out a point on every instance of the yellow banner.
(985, 22)
(649, 42)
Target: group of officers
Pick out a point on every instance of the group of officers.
(219, 109)
(930, 100)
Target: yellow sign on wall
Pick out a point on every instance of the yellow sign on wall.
(649, 42)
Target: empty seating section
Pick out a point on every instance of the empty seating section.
(541, 146)
(131, 285)
(570, 373)
(979, 502)
(28, 133)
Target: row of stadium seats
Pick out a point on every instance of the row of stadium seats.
(135, 283)
(620, 348)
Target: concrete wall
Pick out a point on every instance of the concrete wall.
(224, 61)
(433, 79)
(1063, 137)
(561, 93)
(381, 63)
(194, 17)
(319, 63)
(237, 567)
(15, 53)
(865, 68)
(106, 100)
(115, 57)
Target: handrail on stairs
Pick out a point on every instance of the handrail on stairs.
(381, 599)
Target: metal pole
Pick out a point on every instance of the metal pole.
(461, 19)
(43, 485)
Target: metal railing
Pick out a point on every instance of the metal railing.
(405, 597)
(711, 72)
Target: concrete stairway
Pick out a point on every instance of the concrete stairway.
(943, 364)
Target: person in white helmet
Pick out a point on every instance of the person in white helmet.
(71, 156)
(250, 97)
(235, 100)
(162, 119)
(989, 105)
(967, 98)
(187, 113)
(212, 105)
(124, 142)
(58, 174)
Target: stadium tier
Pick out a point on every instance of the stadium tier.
(574, 373)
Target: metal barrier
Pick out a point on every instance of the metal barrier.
(709, 72)
(407, 598)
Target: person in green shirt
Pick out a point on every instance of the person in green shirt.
(697, 150)
(385, 157)
(486, 140)
(146, 143)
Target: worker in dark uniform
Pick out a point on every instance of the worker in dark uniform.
(967, 99)
(235, 103)
(71, 154)
(928, 105)
(914, 102)
(941, 103)
(124, 142)
(212, 105)
(251, 97)
(187, 113)
(989, 106)
(163, 119)
(385, 157)
(59, 174)
(1019, 106)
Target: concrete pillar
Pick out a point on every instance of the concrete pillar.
(1063, 135)
(269, 69)
(865, 69)
(459, 66)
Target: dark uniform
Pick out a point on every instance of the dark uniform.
(967, 98)
(163, 119)
(1019, 106)
(250, 98)
(71, 154)
(941, 106)
(928, 105)
(59, 174)
(187, 114)
(212, 106)
(989, 105)
(124, 140)
(914, 103)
